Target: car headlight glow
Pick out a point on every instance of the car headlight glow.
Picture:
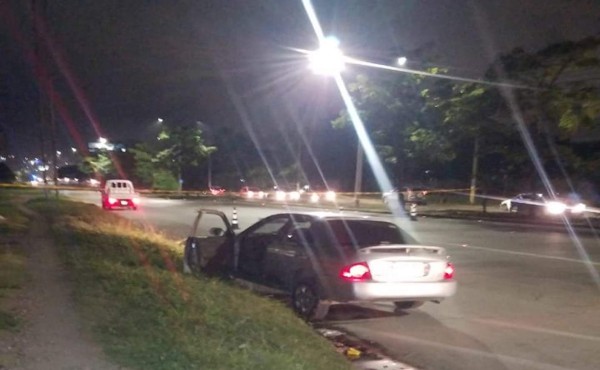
(330, 196)
(555, 208)
(294, 195)
(578, 208)
(280, 195)
(314, 198)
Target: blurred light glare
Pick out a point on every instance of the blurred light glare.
(328, 59)
(556, 208)
(578, 208)
(401, 61)
(330, 196)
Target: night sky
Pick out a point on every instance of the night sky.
(230, 63)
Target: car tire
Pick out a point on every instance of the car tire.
(407, 305)
(307, 303)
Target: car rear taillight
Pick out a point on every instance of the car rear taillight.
(356, 272)
(449, 271)
(112, 200)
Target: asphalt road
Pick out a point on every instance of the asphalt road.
(527, 297)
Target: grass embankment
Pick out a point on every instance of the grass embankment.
(147, 315)
(13, 226)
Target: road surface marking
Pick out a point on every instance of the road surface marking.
(536, 329)
(522, 253)
(524, 363)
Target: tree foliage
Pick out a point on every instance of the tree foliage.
(405, 130)
(549, 94)
(99, 165)
(178, 148)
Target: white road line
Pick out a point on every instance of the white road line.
(536, 329)
(471, 352)
(520, 253)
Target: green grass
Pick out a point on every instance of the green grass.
(12, 258)
(147, 315)
(14, 220)
(12, 276)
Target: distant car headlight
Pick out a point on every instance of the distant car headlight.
(578, 208)
(330, 195)
(261, 194)
(294, 195)
(314, 198)
(280, 195)
(555, 208)
(250, 194)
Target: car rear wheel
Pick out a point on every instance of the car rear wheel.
(306, 302)
(407, 305)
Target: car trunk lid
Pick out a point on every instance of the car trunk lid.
(405, 263)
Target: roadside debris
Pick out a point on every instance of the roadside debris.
(363, 355)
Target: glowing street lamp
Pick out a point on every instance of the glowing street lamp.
(328, 59)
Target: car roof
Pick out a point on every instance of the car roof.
(328, 215)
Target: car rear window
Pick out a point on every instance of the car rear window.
(363, 233)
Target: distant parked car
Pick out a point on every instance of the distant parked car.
(406, 195)
(119, 194)
(523, 199)
(216, 190)
(536, 204)
(250, 192)
(319, 259)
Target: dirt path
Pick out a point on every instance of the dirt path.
(52, 337)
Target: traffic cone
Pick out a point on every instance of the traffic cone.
(413, 211)
(234, 220)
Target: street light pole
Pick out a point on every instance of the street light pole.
(209, 171)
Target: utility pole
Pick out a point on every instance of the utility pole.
(359, 173)
(37, 7)
(474, 171)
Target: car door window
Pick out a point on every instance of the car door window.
(254, 243)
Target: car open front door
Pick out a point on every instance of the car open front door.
(209, 247)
